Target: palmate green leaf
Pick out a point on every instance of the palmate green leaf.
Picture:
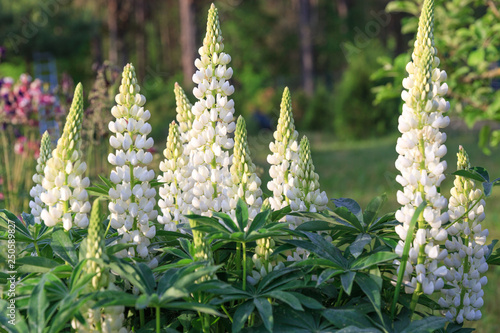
(373, 259)
(114, 298)
(38, 304)
(307, 301)
(265, 311)
(63, 247)
(469, 174)
(372, 290)
(66, 310)
(134, 275)
(426, 325)
(22, 233)
(192, 306)
(241, 214)
(315, 226)
(355, 329)
(241, 315)
(97, 191)
(35, 264)
(373, 209)
(342, 318)
(228, 221)
(351, 205)
(259, 221)
(275, 277)
(328, 274)
(347, 280)
(173, 234)
(328, 248)
(279, 214)
(287, 298)
(344, 215)
(357, 247)
(290, 321)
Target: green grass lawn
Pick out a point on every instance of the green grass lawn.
(364, 169)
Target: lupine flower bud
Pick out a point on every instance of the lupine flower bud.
(36, 204)
(64, 187)
(246, 183)
(133, 199)
(185, 116)
(209, 143)
(467, 251)
(420, 149)
(201, 247)
(284, 151)
(109, 319)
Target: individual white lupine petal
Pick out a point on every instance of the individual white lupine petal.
(129, 207)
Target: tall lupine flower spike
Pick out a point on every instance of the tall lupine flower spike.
(173, 192)
(304, 194)
(111, 318)
(420, 150)
(284, 151)
(133, 198)
(185, 116)
(36, 204)
(246, 183)
(209, 142)
(466, 259)
(64, 186)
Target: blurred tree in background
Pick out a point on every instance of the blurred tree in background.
(324, 50)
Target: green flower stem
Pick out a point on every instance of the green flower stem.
(157, 319)
(404, 258)
(141, 317)
(36, 248)
(227, 313)
(244, 265)
(467, 212)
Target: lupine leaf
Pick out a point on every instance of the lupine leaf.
(265, 311)
(426, 325)
(38, 304)
(347, 280)
(346, 317)
(241, 315)
(63, 247)
(241, 214)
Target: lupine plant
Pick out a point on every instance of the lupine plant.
(215, 255)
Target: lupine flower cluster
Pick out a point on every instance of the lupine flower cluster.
(133, 198)
(466, 247)
(209, 143)
(36, 204)
(246, 183)
(284, 151)
(420, 150)
(64, 186)
(304, 193)
(461, 261)
(176, 181)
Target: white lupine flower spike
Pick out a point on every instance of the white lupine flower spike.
(246, 183)
(420, 148)
(284, 150)
(173, 192)
(36, 204)
(185, 116)
(64, 186)
(210, 143)
(133, 199)
(304, 193)
(467, 250)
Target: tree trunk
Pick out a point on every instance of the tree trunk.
(187, 17)
(113, 31)
(140, 38)
(306, 47)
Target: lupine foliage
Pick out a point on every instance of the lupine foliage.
(216, 257)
